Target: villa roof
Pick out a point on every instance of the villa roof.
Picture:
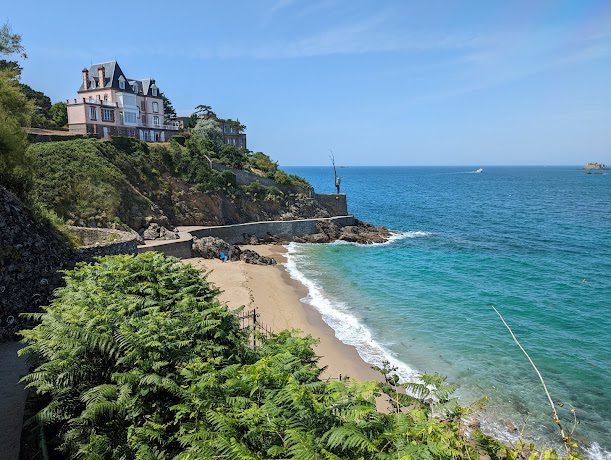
(113, 72)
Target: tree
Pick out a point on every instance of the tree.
(42, 106)
(209, 130)
(169, 112)
(15, 111)
(204, 111)
(10, 43)
(59, 114)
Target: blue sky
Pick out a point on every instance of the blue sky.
(380, 83)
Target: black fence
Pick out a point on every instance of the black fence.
(249, 321)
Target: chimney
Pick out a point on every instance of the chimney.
(101, 76)
(85, 78)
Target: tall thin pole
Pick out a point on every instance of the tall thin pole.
(556, 419)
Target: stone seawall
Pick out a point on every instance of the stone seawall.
(240, 233)
(334, 203)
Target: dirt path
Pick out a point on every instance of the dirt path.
(12, 399)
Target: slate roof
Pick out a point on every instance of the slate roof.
(112, 73)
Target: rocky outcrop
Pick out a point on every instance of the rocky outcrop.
(595, 167)
(30, 256)
(158, 232)
(210, 247)
(360, 232)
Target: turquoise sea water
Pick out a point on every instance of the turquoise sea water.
(533, 241)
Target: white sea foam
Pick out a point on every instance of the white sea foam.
(347, 327)
(349, 330)
(394, 236)
(595, 452)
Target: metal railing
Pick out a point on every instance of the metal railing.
(249, 322)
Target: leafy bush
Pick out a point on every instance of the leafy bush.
(254, 189)
(262, 162)
(282, 178)
(137, 359)
(300, 181)
(129, 144)
(232, 156)
(228, 179)
(74, 180)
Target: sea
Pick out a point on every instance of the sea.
(534, 242)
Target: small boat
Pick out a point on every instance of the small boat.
(478, 170)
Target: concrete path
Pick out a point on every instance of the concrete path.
(12, 399)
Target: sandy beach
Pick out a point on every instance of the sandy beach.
(276, 296)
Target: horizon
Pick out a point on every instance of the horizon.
(513, 84)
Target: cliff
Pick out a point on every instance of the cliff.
(129, 183)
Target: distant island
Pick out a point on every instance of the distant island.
(589, 167)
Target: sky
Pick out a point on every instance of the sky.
(377, 82)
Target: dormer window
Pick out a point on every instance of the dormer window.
(154, 91)
(121, 82)
(135, 88)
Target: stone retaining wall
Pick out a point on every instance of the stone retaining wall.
(98, 242)
(176, 248)
(240, 233)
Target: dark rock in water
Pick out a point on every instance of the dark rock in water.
(210, 247)
(315, 238)
(360, 232)
(510, 426)
(157, 232)
(251, 257)
(364, 233)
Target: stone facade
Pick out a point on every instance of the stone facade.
(109, 104)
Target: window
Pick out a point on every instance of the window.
(135, 88)
(106, 97)
(90, 98)
(129, 99)
(155, 107)
(129, 117)
(121, 83)
(97, 97)
(156, 120)
(154, 91)
(93, 113)
(108, 115)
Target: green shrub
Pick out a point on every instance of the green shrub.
(262, 162)
(74, 180)
(282, 178)
(137, 359)
(129, 144)
(299, 181)
(273, 193)
(254, 189)
(228, 179)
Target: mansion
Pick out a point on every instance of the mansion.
(110, 104)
